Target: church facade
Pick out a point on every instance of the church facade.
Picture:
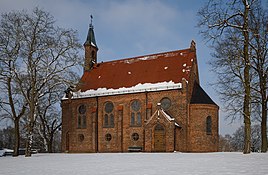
(151, 103)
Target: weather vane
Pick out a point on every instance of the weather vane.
(91, 19)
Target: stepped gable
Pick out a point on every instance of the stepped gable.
(155, 68)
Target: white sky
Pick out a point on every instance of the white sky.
(128, 28)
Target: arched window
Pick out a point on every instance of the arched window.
(92, 54)
(208, 124)
(132, 119)
(135, 115)
(81, 118)
(111, 120)
(138, 118)
(108, 115)
(106, 120)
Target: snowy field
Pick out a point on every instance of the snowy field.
(136, 164)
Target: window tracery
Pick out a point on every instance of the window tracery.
(135, 116)
(81, 118)
(108, 114)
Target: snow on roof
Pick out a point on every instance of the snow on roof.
(159, 111)
(134, 89)
(169, 117)
(93, 44)
(166, 115)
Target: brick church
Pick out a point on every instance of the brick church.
(150, 103)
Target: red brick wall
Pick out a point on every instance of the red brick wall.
(199, 140)
(191, 138)
(69, 125)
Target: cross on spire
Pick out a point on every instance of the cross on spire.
(90, 35)
(91, 23)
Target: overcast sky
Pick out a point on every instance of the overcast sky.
(128, 28)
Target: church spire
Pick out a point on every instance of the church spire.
(90, 36)
(91, 48)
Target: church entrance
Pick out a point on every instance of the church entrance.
(159, 138)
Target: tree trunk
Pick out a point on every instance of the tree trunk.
(247, 139)
(264, 120)
(50, 143)
(264, 132)
(246, 108)
(17, 137)
(29, 140)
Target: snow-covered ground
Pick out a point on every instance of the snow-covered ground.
(137, 164)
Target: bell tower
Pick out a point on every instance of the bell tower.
(91, 48)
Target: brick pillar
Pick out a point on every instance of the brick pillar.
(120, 128)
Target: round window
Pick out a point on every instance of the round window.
(165, 103)
(82, 109)
(108, 137)
(109, 107)
(136, 105)
(135, 136)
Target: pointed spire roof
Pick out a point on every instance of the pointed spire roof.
(90, 36)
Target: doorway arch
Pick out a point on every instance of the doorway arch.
(159, 138)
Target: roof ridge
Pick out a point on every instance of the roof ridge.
(142, 56)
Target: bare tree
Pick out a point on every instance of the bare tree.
(49, 117)
(218, 18)
(225, 143)
(6, 137)
(259, 63)
(13, 105)
(237, 139)
(228, 64)
(46, 55)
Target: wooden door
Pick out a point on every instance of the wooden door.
(159, 138)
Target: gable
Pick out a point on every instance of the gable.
(161, 114)
(163, 67)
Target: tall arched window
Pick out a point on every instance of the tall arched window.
(209, 125)
(81, 119)
(108, 115)
(135, 116)
(93, 56)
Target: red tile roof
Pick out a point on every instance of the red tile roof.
(155, 68)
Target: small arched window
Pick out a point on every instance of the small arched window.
(92, 54)
(208, 125)
(81, 119)
(108, 114)
(135, 115)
